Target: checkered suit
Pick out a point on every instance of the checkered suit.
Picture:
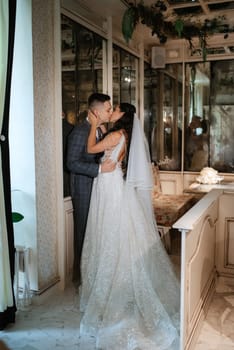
(83, 167)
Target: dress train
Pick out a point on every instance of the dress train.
(130, 295)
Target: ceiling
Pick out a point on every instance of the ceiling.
(180, 7)
(195, 8)
(192, 10)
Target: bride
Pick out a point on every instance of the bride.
(130, 295)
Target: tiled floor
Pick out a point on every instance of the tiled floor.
(55, 325)
(53, 321)
(217, 332)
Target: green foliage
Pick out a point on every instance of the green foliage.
(129, 22)
(16, 217)
(179, 26)
(154, 17)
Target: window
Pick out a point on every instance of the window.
(151, 88)
(82, 67)
(197, 115)
(208, 123)
(83, 54)
(221, 116)
(210, 119)
(163, 124)
(125, 72)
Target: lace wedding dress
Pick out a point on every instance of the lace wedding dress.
(130, 295)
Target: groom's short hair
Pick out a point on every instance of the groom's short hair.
(97, 98)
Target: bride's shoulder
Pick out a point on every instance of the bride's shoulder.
(115, 135)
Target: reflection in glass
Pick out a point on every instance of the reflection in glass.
(125, 71)
(209, 121)
(82, 74)
(172, 116)
(164, 127)
(150, 93)
(221, 116)
(82, 67)
(208, 124)
(197, 87)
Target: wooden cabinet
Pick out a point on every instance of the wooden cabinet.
(225, 235)
(207, 258)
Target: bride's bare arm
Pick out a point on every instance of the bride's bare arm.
(109, 141)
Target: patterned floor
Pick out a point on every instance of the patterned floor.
(217, 332)
(53, 321)
(54, 324)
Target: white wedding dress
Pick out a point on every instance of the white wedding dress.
(130, 295)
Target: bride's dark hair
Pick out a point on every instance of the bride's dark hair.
(126, 123)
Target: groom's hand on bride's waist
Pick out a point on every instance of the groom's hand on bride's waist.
(107, 166)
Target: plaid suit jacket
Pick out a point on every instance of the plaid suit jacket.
(83, 166)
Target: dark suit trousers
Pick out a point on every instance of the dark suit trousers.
(80, 215)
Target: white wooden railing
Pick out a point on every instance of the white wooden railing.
(201, 228)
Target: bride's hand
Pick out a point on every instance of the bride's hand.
(92, 118)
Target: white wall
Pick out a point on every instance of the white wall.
(36, 139)
(48, 140)
(21, 136)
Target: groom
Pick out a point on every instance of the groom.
(84, 168)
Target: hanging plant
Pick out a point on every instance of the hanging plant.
(156, 19)
(16, 217)
(129, 22)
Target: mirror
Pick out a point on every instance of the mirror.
(209, 122)
(163, 115)
(197, 92)
(125, 71)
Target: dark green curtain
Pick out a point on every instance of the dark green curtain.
(8, 315)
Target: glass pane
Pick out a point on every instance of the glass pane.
(128, 78)
(197, 115)
(125, 71)
(149, 110)
(116, 75)
(168, 134)
(168, 116)
(151, 95)
(208, 115)
(172, 116)
(82, 74)
(82, 67)
(165, 123)
(221, 116)
(68, 69)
